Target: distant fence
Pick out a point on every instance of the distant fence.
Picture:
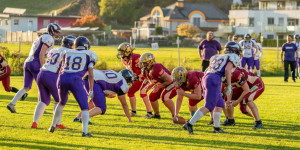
(25, 37)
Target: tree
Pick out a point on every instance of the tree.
(89, 21)
(187, 29)
(158, 31)
(121, 11)
(258, 38)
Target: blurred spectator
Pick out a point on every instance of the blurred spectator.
(289, 50)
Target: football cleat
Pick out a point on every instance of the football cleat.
(76, 119)
(34, 125)
(218, 130)
(60, 126)
(24, 96)
(211, 122)
(188, 127)
(156, 116)
(86, 134)
(229, 122)
(148, 116)
(258, 126)
(51, 129)
(133, 114)
(11, 108)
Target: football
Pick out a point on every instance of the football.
(179, 120)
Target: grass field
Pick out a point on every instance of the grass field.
(279, 108)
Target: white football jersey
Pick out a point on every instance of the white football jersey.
(259, 52)
(218, 63)
(37, 46)
(298, 46)
(54, 58)
(247, 48)
(78, 61)
(110, 81)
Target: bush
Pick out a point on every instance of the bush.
(187, 29)
(158, 31)
(273, 42)
(17, 68)
(4, 51)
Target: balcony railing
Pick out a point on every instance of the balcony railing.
(144, 24)
(226, 28)
(279, 29)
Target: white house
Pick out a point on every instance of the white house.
(272, 18)
(206, 16)
(13, 20)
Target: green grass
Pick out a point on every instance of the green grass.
(35, 6)
(278, 107)
(168, 56)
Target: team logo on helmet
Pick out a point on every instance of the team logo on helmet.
(179, 75)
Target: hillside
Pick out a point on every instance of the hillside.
(35, 6)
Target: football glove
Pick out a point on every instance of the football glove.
(228, 92)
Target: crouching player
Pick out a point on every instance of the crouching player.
(108, 83)
(220, 66)
(5, 75)
(160, 80)
(187, 81)
(247, 88)
(47, 78)
(131, 61)
(75, 64)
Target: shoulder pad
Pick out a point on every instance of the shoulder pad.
(235, 59)
(93, 56)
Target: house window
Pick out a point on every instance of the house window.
(30, 23)
(270, 36)
(270, 21)
(292, 22)
(16, 21)
(264, 5)
(251, 22)
(298, 4)
(46, 23)
(280, 37)
(281, 21)
(6, 21)
(196, 21)
(280, 5)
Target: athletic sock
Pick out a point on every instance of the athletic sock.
(85, 121)
(19, 94)
(258, 73)
(217, 118)
(133, 111)
(39, 110)
(149, 112)
(192, 113)
(258, 122)
(57, 115)
(13, 89)
(196, 117)
(59, 121)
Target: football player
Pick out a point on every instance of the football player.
(131, 61)
(247, 88)
(220, 66)
(35, 61)
(108, 83)
(160, 81)
(187, 81)
(5, 75)
(47, 78)
(297, 43)
(76, 64)
(248, 45)
(257, 56)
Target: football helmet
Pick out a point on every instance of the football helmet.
(124, 50)
(128, 76)
(179, 75)
(82, 42)
(232, 47)
(296, 36)
(147, 60)
(68, 41)
(53, 27)
(247, 36)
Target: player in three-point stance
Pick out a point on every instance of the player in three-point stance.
(246, 88)
(131, 61)
(187, 81)
(35, 61)
(5, 75)
(108, 83)
(160, 80)
(76, 64)
(220, 66)
(47, 78)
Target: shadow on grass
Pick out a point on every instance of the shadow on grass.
(44, 144)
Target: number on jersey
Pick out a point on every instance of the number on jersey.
(74, 63)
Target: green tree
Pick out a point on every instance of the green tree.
(158, 31)
(258, 38)
(121, 11)
(187, 29)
